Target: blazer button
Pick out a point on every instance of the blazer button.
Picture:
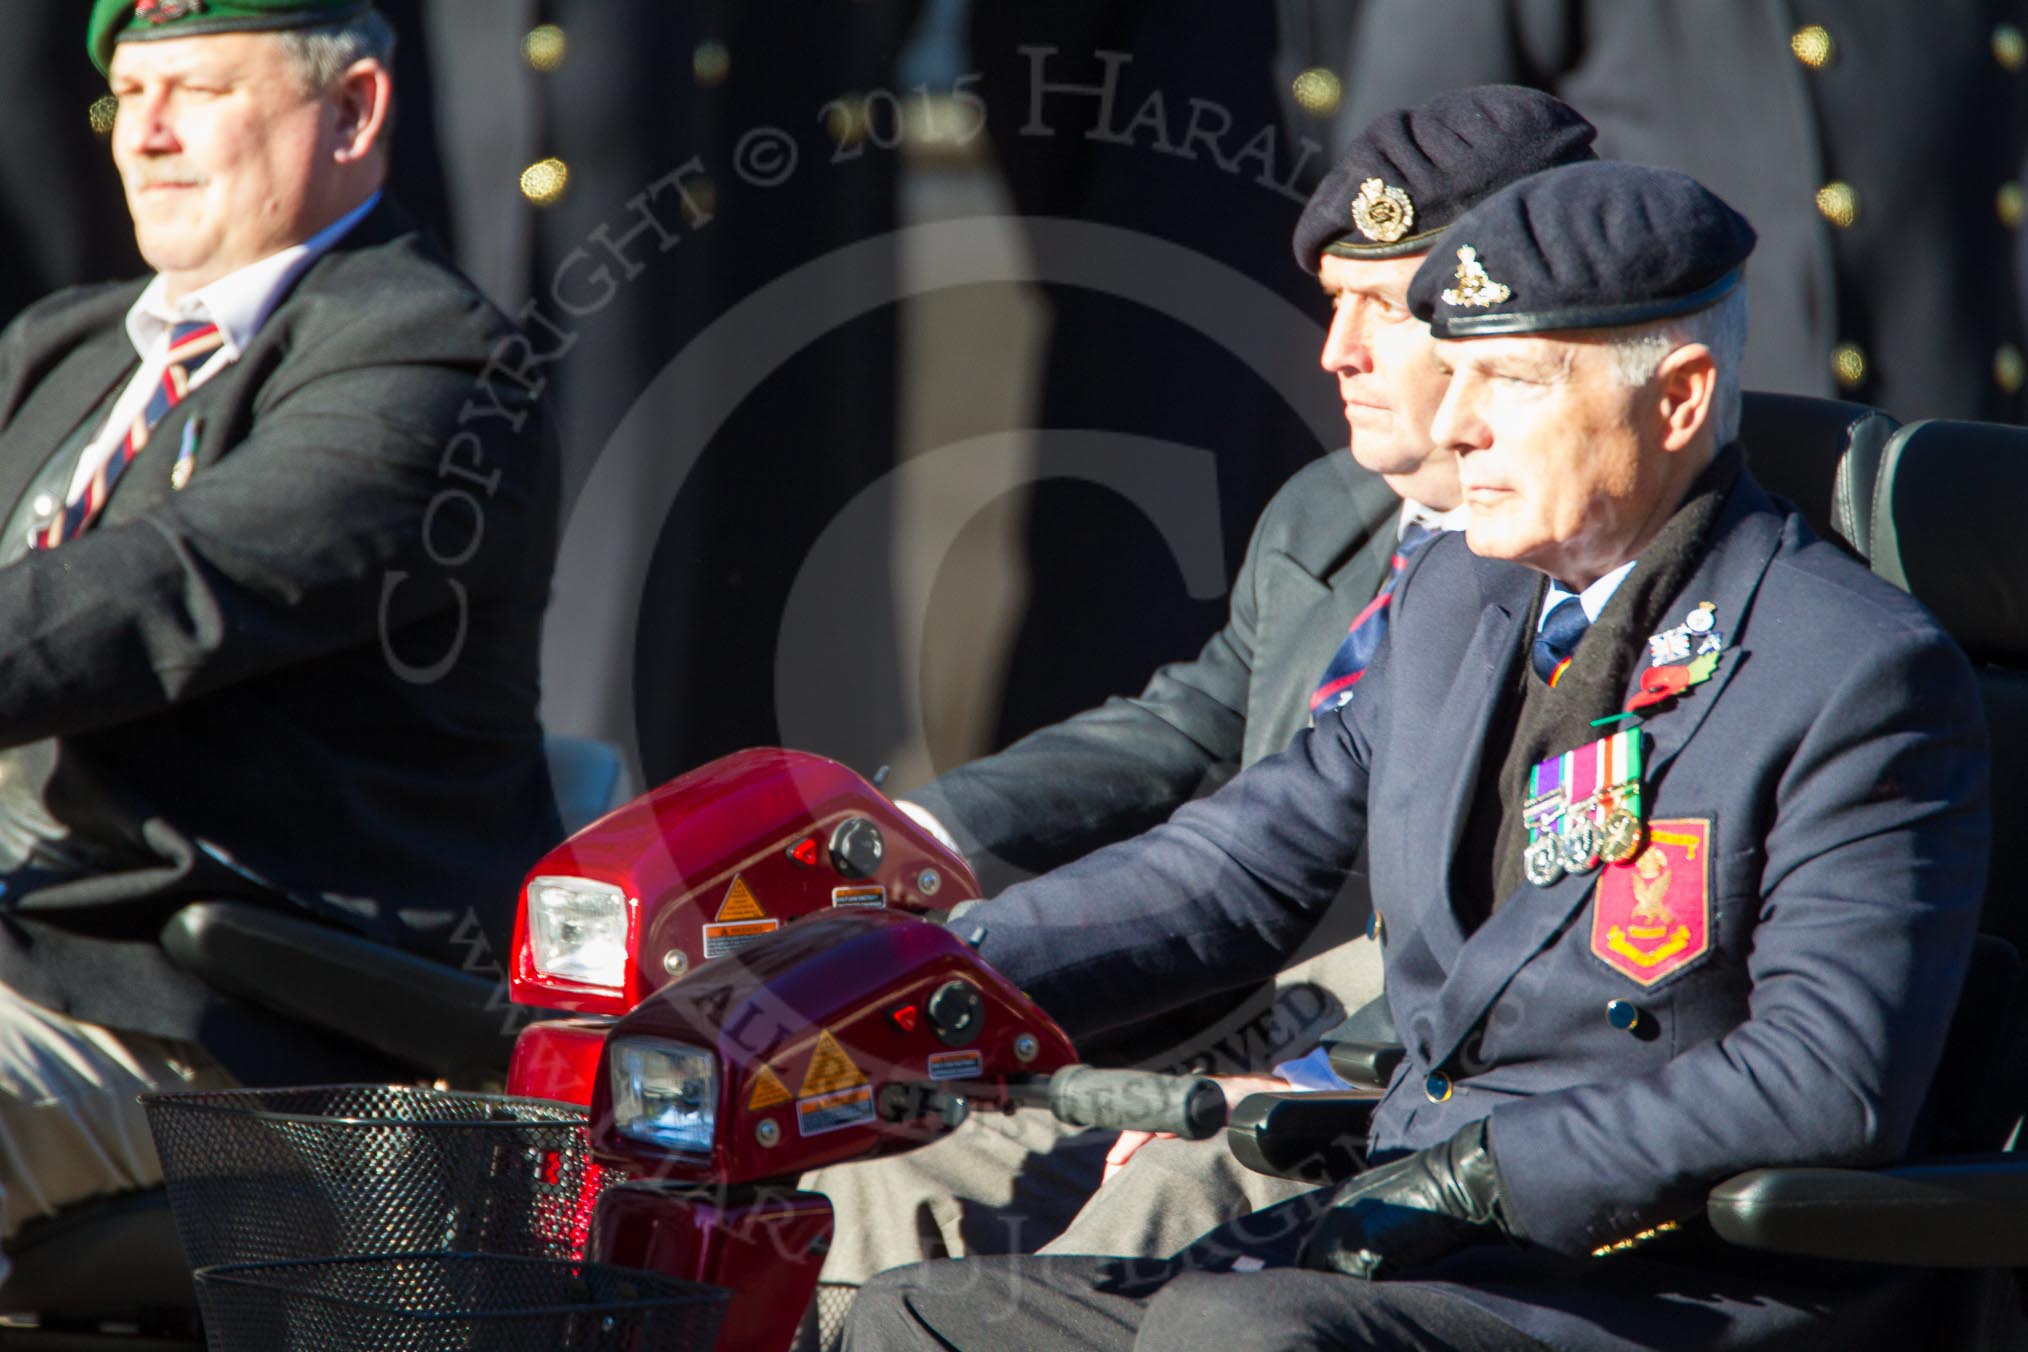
(1437, 1087)
(1623, 1015)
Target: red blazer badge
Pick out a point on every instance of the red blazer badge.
(1652, 915)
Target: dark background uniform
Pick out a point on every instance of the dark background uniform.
(1875, 145)
(1107, 603)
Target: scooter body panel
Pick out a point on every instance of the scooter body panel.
(729, 853)
(558, 1059)
(766, 1246)
(845, 1037)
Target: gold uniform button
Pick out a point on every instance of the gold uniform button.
(2009, 368)
(710, 63)
(1318, 92)
(2011, 205)
(104, 110)
(1838, 203)
(545, 181)
(1813, 46)
(545, 47)
(1848, 364)
(2010, 48)
(700, 200)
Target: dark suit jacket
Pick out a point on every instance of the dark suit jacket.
(1317, 556)
(311, 672)
(1838, 762)
(1912, 110)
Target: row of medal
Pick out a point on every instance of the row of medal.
(1584, 806)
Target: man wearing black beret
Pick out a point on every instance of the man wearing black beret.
(273, 555)
(1308, 611)
(1680, 817)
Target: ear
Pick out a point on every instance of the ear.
(363, 101)
(1688, 383)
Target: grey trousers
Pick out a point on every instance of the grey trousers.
(1055, 1302)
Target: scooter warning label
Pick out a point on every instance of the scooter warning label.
(739, 922)
(956, 1066)
(859, 896)
(829, 1112)
(768, 1090)
(835, 1092)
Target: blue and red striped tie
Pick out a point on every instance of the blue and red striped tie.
(191, 345)
(1369, 626)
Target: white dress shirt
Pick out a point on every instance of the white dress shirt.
(239, 303)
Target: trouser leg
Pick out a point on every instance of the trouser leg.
(70, 1127)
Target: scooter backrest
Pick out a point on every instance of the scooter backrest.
(710, 862)
(844, 1037)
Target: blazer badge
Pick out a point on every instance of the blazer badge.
(1652, 915)
(1475, 287)
(1382, 211)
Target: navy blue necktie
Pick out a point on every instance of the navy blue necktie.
(1560, 635)
(1369, 626)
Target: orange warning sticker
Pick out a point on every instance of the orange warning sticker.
(720, 940)
(829, 1112)
(859, 896)
(956, 1065)
(830, 1068)
(740, 903)
(768, 1089)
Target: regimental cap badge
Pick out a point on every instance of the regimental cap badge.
(166, 11)
(1475, 289)
(1382, 211)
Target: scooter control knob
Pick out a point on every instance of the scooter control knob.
(956, 1012)
(856, 848)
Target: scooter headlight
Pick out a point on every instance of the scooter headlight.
(577, 929)
(664, 1093)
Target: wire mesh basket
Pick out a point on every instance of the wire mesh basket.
(263, 1175)
(448, 1302)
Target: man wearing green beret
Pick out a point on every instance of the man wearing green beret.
(275, 535)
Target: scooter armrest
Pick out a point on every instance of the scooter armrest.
(1314, 1137)
(1967, 1211)
(1366, 1063)
(419, 1012)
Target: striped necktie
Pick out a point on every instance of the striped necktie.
(191, 346)
(1369, 626)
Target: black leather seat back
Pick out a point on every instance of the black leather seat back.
(1946, 525)
(1822, 455)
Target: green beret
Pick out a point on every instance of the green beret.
(117, 21)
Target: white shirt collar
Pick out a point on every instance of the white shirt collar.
(1592, 598)
(240, 302)
(1414, 513)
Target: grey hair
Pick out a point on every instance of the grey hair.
(322, 55)
(1638, 352)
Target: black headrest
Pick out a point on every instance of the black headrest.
(1822, 455)
(1948, 527)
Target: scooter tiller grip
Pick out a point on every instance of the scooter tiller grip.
(1189, 1106)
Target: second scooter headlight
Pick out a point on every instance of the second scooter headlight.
(664, 1093)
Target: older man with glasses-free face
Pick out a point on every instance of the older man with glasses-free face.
(1680, 819)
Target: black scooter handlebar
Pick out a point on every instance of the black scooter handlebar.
(1190, 1106)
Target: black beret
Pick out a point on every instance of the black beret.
(1585, 246)
(1414, 171)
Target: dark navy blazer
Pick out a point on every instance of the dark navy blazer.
(1839, 756)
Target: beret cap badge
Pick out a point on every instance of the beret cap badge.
(166, 11)
(1382, 211)
(1475, 287)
